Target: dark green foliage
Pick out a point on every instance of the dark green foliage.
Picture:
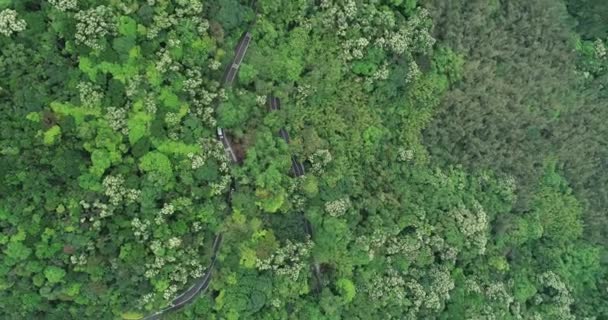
(113, 184)
(524, 96)
(591, 17)
(517, 82)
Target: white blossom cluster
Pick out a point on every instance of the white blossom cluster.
(141, 229)
(115, 190)
(64, 5)
(413, 72)
(414, 35)
(404, 154)
(372, 243)
(319, 160)
(132, 87)
(276, 303)
(197, 272)
(218, 187)
(510, 184)
(261, 100)
(338, 207)
(304, 91)
(381, 74)
(197, 160)
(117, 119)
(170, 292)
(172, 262)
(145, 299)
(153, 269)
(172, 119)
(391, 286)
(298, 202)
(214, 64)
(90, 95)
(288, 260)
(174, 242)
(186, 11)
(354, 48)
(165, 62)
(156, 247)
(185, 270)
(442, 283)
(411, 245)
(201, 97)
(161, 21)
(213, 149)
(222, 94)
(600, 49)
(174, 42)
(194, 84)
(79, 260)
(150, 104)
(93, 25)
(472, 286)
(167, 210)
(563, 298)
(473, 225)
(394, 287)
(96, 209)
(497, 291)
(364, 25)
(403, 245)
(9, 23)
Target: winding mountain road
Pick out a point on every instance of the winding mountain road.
(201, 284)
(298, 170)
(296, 166)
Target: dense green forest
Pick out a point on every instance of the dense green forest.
(446, 159)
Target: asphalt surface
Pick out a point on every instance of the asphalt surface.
(199, 286)
(297, 168)
(202, 284)
(228, 148)
(239, 55)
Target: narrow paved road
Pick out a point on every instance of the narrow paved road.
(227, 145)
(201, 284)
(239, 55)
(298, 170)
(296, 166)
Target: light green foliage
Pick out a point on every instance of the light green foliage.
(86, 66)
(453, 156)
(347, 289)
(101, 161)
(139, 126)
(54, 274)
(558, 210)
(156, 162)
(16, 251)
(78, 113)
(177, 148)
(94, 25)
(169, 99)
(51, 135)
(127, 26)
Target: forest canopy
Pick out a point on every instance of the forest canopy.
(298, 159)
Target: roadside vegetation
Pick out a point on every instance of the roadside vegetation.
(451, 159)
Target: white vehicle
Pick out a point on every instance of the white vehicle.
(220, 133)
